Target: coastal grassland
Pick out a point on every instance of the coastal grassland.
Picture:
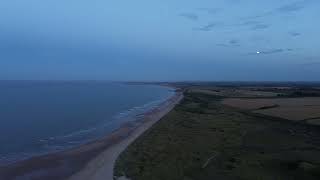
(202, 139)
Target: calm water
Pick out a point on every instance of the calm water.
(40, 117)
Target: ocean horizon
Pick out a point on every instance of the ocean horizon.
(40, 117)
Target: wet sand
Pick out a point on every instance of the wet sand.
(94, 160)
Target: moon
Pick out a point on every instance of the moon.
(258, 52)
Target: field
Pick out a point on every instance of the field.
(231, 92)
(298, 109)
(204, 139)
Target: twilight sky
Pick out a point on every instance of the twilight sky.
(167, 40)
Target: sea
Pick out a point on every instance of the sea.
(40, 117)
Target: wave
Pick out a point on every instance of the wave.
(67, 141)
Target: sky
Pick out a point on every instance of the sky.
(167, 40)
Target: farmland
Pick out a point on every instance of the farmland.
(205, 137)
(297, 109)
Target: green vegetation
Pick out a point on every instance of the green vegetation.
(201, 139)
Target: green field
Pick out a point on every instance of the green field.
(202, 139)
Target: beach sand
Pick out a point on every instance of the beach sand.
(91, 161)
(101, 167)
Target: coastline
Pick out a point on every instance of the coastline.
(80, 160)
(101, 167)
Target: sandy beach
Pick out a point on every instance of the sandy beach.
(101, 167)
(94, 160)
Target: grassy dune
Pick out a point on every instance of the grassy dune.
(202, 139)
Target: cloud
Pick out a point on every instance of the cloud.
(231, 43)
(208, 27)
(190, 16)
(210, 10)
(254, 25)
(228, 45)
(260, 26)
(249, 23)
(287, 8)
(294, 34)
(259, 15)
(295, 6)
(271, 51)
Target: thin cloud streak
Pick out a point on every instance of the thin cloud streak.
(294, 34)
(208, 27)
(287, 8)
(231, 43)
(190, 16)
(271, 51)
(210, 10)
(260, 27)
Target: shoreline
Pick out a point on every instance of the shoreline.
(102, 166)
(63, 164)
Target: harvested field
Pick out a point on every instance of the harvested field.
(235, 92)
(292, 113)
(249, 104)
(287, 108)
